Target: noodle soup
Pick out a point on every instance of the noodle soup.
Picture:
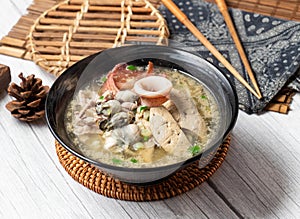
(142, 117)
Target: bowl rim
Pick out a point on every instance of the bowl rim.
(136, 169)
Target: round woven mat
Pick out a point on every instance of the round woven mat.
(180, 182)
(68, 31)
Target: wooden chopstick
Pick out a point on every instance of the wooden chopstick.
(224, 10)
(183, 19)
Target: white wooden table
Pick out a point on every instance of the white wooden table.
(260, 177)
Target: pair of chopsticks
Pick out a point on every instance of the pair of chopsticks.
(223, 8)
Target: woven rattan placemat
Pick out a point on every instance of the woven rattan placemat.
(178, 183)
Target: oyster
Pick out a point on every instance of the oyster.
(119, 119)
(127, 135)
(126, 96)
(108, 108)
(129, 106)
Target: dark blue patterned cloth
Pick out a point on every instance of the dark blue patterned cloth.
(272, 46)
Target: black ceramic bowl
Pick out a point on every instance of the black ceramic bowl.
(99, 64)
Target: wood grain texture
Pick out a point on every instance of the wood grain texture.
(260, 177)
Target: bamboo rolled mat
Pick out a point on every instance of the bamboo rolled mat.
(285, 9)
(176, 184)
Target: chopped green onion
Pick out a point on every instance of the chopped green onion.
(203, 97)
(194, 149)
(146, 138)
(133, 160)
(101, 97)
(131, 67)
(141, 108)
(103, 79)
(116, 161)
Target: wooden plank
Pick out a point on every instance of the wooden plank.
(260, 177)
(261, 168)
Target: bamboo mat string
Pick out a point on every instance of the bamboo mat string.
(161, 20)
(119, 40)
(83, 9)
(127, 21)
(30, 46)
(65, 54)
(65, 45)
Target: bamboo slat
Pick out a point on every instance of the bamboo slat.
(13, 41)
(281, 102)
(97, 23)
(13, 51)
(104, 9)
(57, 33)
(278, 107)
(112, 15)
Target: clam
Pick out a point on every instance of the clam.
(153, 90)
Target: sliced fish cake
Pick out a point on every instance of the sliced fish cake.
(167, 132)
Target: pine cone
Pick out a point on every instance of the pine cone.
(30, 98)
